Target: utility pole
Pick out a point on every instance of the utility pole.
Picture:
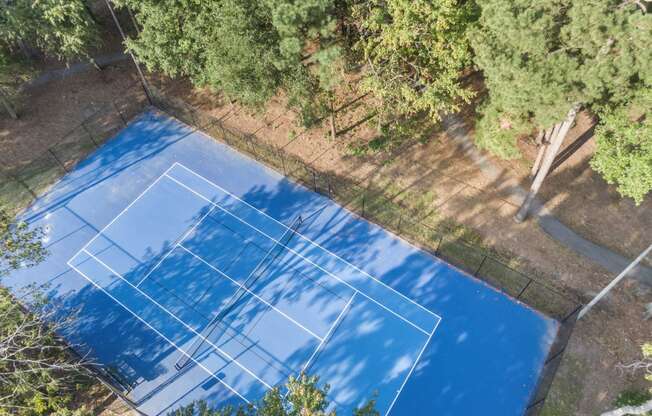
(133, 58)
(614, 282)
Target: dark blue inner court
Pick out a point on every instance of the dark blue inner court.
(155, 241)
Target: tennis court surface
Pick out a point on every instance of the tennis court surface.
(196, 273)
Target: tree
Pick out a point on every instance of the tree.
(246, 49)
(540, 59)
(13, 74)
(62, 28)
(644, 365)
(38, 375)
(623, 155)
(19, 246)
(415, 52)
(304, 398)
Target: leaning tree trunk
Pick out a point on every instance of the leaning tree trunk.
(543, 140)
(556, 140)
(7, 105)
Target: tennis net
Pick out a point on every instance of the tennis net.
(241, 292)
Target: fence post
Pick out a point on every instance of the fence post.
(573, 312)
(251, 145)
(480, 266)
(83, 124)
(124, 122)
(364, 194)
(57, 159)
(314, 179)
(282, 155)
(529, 282)
(441, 237)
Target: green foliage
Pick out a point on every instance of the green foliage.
(391, 135)
(38, 375)
(632, 398)
(497, 131)
(62, 28)
(647, 361)
(623, 154)
(245, 49)
(415, 52)
(19, 246)
(539, 58)
(304, 398)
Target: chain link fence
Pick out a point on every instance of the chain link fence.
(373, 205)
(20, 185)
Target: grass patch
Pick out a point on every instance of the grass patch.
(566, 392)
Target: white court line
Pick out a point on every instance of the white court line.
(306, 238)
(183, 237)
(227, 355)
(252, 293)
(414, 365)
(159, 334)
(310, 261)
(329, 333)
(126, 208)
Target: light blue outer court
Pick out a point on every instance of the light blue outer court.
(157, 232)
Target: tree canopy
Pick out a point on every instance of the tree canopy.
(304, 398)
(62, 28)
(245, 49)
(20, 246)
(623, 154)
(415, 53)
(540, 58)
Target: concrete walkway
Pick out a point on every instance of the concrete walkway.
(73, 69)
(613, 262)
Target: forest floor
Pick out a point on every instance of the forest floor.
(458, 192)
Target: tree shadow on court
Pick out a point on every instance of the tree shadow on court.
(142, 139)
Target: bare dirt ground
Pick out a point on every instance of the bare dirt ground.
(588, 380)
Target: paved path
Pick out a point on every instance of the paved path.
(73, 69)
(602, 256)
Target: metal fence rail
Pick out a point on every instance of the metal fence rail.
(20, 185)
(373, 205)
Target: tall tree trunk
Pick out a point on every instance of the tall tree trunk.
(332, 120)
(133, 20)
(8, 106)
(25, 49)
(555, 144)
(542, 141)
(91, 15)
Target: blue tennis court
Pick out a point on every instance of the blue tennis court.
(197, 273)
